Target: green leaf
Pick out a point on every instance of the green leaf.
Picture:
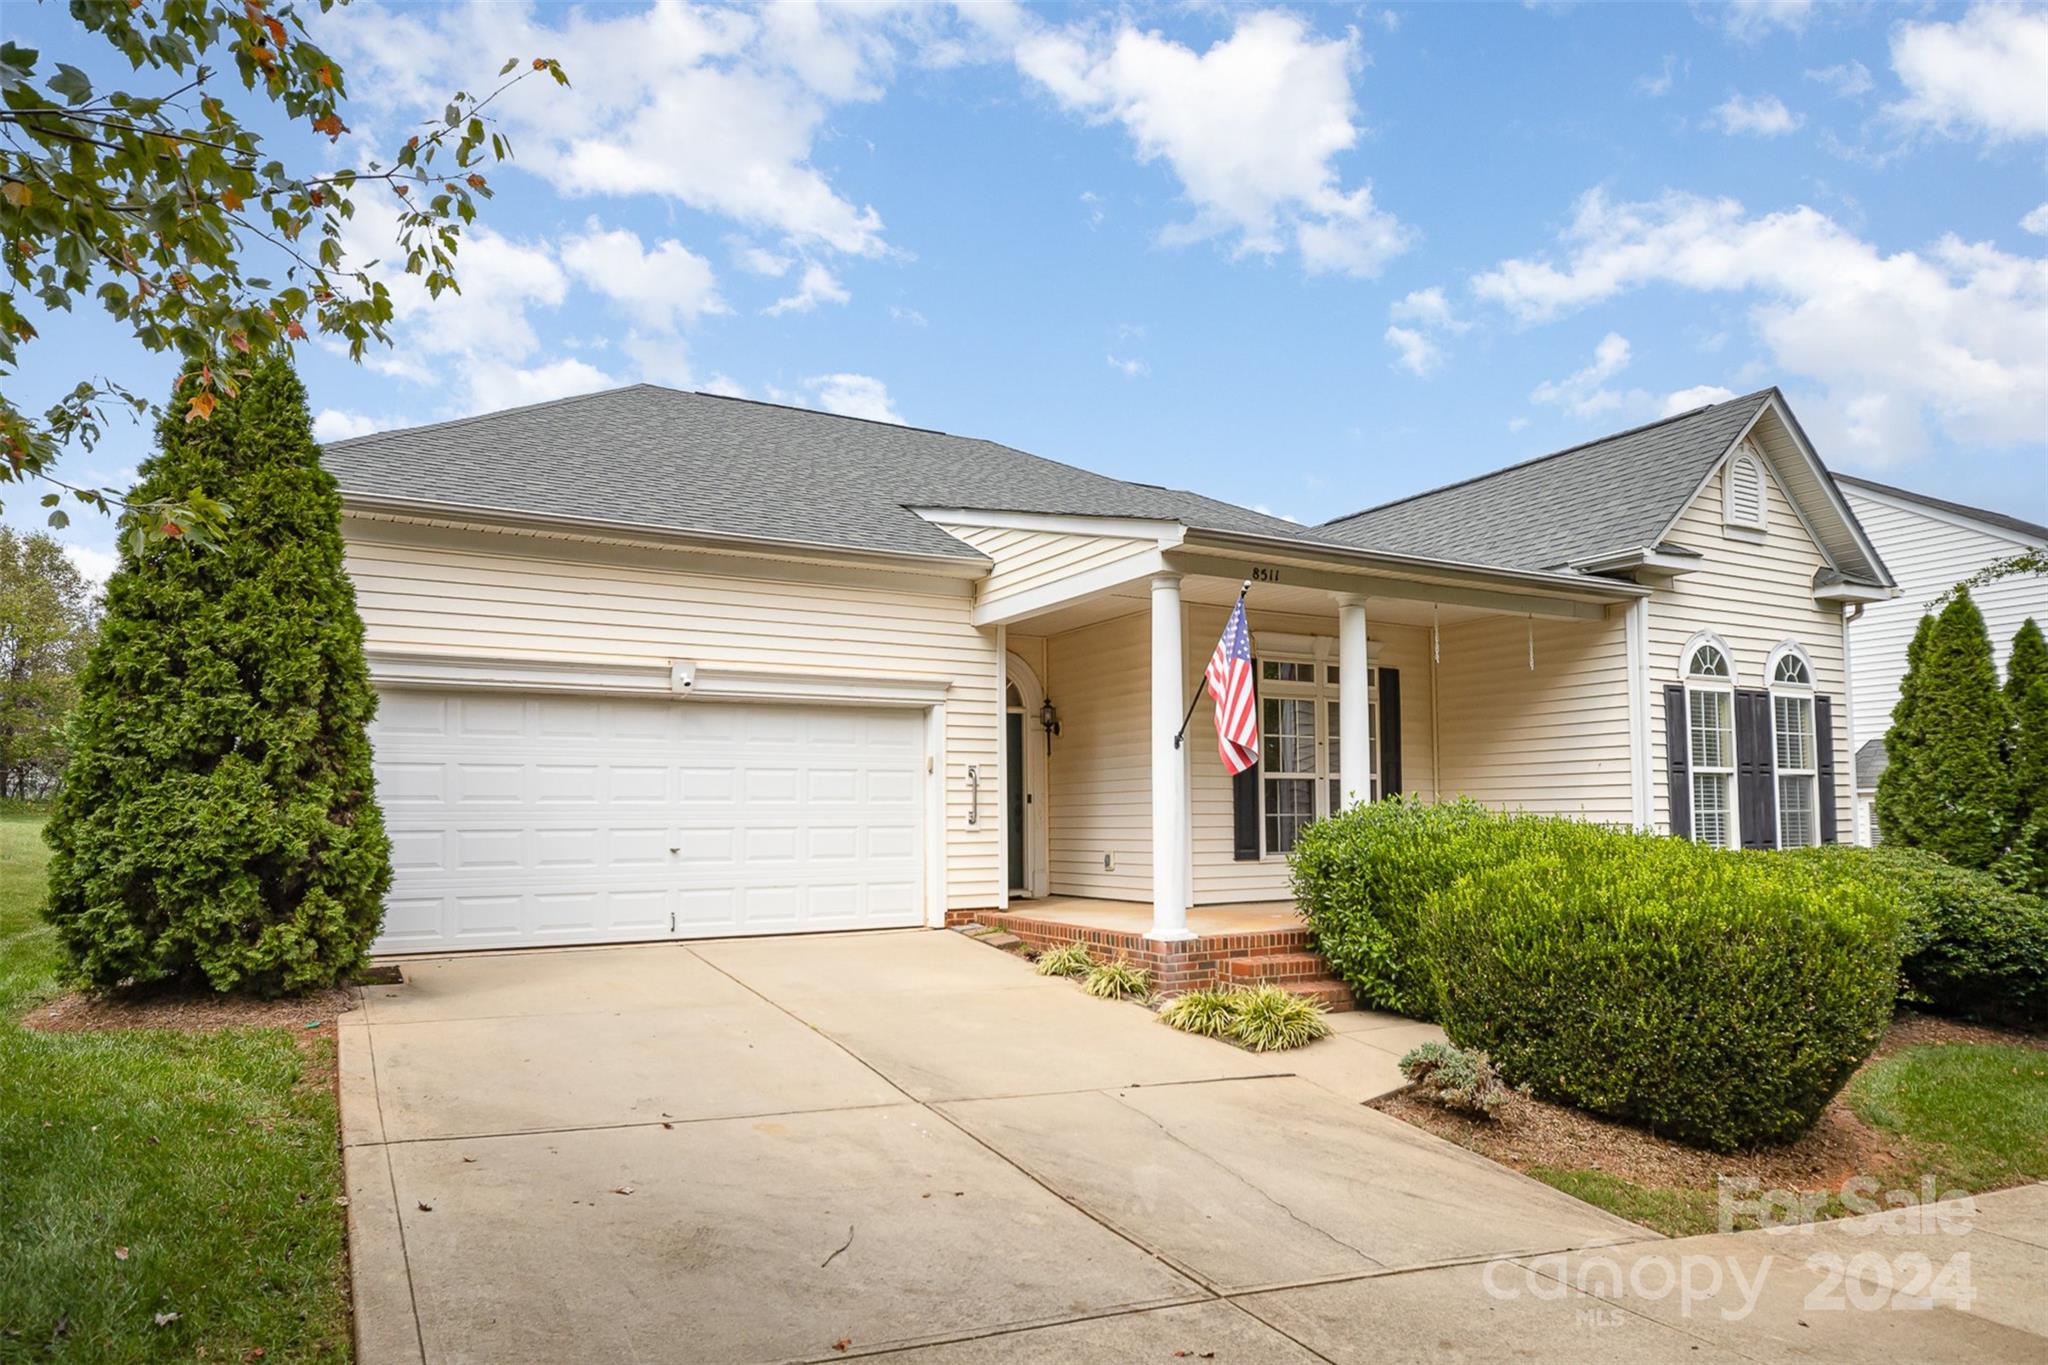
(71, 83)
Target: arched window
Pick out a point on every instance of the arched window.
(1742, 491)
(1709, 677)
(1793, 749)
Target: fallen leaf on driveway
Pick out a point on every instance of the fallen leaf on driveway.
(468, 1159)
(623, 1189)
(842, 1343)
(425, 1207)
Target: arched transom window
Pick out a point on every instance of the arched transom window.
(1794, 751)
(1710, 733)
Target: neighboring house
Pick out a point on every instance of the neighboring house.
(660, 664)
(1930, 545)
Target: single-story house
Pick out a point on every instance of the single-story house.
(1930, 544)
(659, 664)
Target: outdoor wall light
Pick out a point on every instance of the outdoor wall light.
(1049, 718)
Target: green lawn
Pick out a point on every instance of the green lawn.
(204, 1156)
(1974, 1116)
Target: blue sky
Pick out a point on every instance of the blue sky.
(1305, 259)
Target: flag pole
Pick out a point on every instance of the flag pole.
(1194, 700)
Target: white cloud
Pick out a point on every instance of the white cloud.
(1264, 510)
(1583, 393)
(659, 289)
(1516, 424)
(1131, 369)
(1763, 116)
(333, 424)
(2037, 221)
(1419, 350)
(910, 317)
(815, 286)
(1698, 396)
(717, 109)
(1848, 80)
(1250, 128)
(494, 384)
(95, 566)
(1949, 335)
(1982, 74)
(1417, 353)
(1751, 20)
(1660, 84)
(1428, 307)
(854, 395)
(759, 260)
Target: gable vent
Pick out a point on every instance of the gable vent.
(1742, 491)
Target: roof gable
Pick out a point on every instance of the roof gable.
(1604, 497)
(1616, 496)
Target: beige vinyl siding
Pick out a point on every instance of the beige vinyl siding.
(1756, 595)
(1928, 555)
(1032, 559)
(1552, 739)
(503, 595)
(1100, 775)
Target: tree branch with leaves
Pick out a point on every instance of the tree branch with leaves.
(166, 207)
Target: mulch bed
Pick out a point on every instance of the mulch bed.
(189, 1012)
(1527, 1132)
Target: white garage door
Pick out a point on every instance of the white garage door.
(520, 819)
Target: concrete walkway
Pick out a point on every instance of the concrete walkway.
(906, 1145)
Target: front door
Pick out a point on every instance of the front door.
(1015, 798)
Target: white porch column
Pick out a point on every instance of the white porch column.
(1169, 771)
(1354, 700)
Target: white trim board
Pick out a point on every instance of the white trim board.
(392, 668)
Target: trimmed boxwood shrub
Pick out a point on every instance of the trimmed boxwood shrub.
(1363, 879)
(1712, 996)
(1971, 945)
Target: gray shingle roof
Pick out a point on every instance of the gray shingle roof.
(1604, 497)
(666, 459)
(2009, 522)
(1871, 761)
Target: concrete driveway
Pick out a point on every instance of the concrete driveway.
(907, 1144)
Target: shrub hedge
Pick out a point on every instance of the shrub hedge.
(1717, 997)
(1364, 878)
(1971, 945)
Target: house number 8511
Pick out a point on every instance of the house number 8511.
(1262, 574)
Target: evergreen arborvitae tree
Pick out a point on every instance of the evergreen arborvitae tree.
(1903, 745)
(2026, 697)
(218, 822)
(1946, 787)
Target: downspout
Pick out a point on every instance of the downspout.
(1852, 613)
(1637, 642)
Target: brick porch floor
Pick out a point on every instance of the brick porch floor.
(1237, 945)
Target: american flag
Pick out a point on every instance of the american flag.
(1230, 683)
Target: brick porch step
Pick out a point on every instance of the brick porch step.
(1274, 967)
(1296, 973)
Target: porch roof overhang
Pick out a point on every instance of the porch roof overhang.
(1305, 563)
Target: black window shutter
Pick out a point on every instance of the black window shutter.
(1756, 788)
(1244, 799)
(1824, 766)
(1676, 768)
(1390, 731)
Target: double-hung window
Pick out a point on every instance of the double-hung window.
(1794, 751)
(1710, 731)
(1299, 768)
